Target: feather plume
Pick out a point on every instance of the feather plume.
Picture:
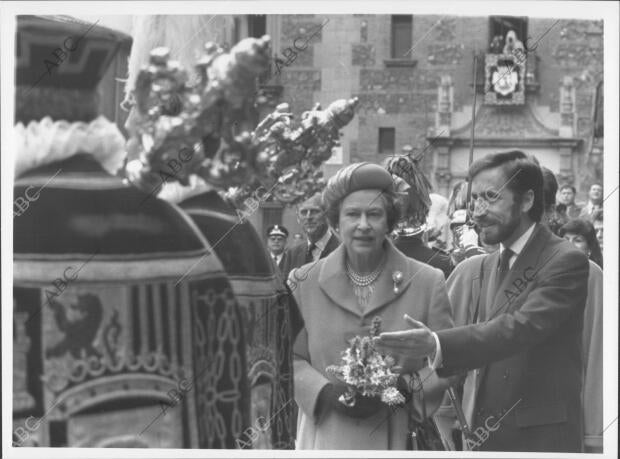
(409, 170)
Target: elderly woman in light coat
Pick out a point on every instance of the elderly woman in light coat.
(365, 277)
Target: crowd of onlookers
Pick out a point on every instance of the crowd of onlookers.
(446, 232)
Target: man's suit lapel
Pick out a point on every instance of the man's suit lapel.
(331, 245)
(283, 261)
(488, 282)
(299, 255)
(530, 257)
(489, 274)
(496, 300)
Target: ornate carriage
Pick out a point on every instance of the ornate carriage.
(139, 322)
(128, 329)
(113, 347)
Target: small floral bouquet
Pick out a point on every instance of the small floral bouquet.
(366, 372)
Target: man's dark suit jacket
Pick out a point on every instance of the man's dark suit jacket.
(413, 247)
(282, 264)
(296, 255)
(527, 345)
(573, 211)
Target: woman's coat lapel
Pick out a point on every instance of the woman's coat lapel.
(334, 281)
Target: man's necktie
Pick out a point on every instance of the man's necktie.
(471, 382)
(309, 256)
(504, 266)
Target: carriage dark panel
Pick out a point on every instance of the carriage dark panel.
(71, 216)
(234, 241)
(266, 310)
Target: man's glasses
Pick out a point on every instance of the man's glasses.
(487, 197)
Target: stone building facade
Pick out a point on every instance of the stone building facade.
(414, 78)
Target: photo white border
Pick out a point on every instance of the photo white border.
(609, 11)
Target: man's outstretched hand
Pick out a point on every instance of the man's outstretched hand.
(408, 347)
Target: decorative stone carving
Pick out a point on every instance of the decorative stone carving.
(445, 53)
(295, 26)
(390, 79)
(580, 45)
(443, 178)
(363, 54)
(445, 28)
(391, 102)
(363, 31)
(508, 122)
(445, 104)
(567, 107)
(531, 72)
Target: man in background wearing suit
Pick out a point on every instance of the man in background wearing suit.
(321, 241)
(593, 210)
(567, 197)
(521, 314)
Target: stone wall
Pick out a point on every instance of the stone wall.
(351, 57)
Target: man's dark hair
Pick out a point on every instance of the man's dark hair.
(550, 188)
(521, 173)
(573, 189)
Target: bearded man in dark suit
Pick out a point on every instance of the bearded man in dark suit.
(522, 307)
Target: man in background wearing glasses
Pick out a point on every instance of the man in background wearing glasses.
(519, 315)
(320, 240)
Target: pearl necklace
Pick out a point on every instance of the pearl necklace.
(363, 286)
(363, 281)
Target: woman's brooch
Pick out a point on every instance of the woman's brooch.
(397, 277)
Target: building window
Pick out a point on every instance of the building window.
(499, 26)
(402, 36)
(250, 25)
(237, 30)
(272, 215)
(257, 25)
(387, 140)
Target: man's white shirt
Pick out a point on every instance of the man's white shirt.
(277, 258)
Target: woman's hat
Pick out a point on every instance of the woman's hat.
(355, 177)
